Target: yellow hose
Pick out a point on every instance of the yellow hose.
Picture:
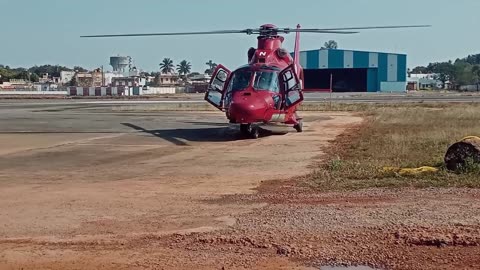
(420, 170)
(410, 171)
(471, 137)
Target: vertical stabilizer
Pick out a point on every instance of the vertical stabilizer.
(296, 54)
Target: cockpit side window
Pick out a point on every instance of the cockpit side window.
(266, 80)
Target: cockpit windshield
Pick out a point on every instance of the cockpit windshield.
(266, 80)
(240, 80)
(262, 80)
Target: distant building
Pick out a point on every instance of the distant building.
(44, 78)
(198, 83)
(66, 77)
(354, 71)
(109, 76)
(45, 86)
(18, 82)
(89, 79)
(6, 86)
(423, 81)
(167, 79)
(150, 80)
(134, 81)
(200, 78)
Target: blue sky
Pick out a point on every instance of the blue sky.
(47, 31)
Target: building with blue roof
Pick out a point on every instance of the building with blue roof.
(354, 71)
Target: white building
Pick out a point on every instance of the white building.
(108, 76)
(66, 76)
(430, 76)
(200, 78)
(47, 86)
(425, 81)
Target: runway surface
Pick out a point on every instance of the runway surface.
(197, 99)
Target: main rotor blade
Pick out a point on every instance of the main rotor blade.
(246, 31)
(360, 28)
(319, 31)
(343, 30)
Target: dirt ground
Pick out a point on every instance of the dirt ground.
(133, 201)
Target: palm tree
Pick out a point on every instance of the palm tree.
(166, 66)
(184, 68)
(211, 67)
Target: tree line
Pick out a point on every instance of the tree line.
(184, 67)
(34, 73)
(464, 71)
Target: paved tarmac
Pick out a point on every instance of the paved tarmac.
(375, 98)
(86, 117)
(107, 115)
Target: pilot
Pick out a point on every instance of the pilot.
(241, 80)
(269, 83)
(263, 83)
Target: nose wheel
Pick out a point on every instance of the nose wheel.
(250, 131)
(299, 126)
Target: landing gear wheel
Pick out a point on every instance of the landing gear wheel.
(245, 129)
(299, 127)
(254, 133)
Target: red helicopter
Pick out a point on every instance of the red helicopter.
(269, 89)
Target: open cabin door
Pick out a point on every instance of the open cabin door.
(291, 87)
(215, 91)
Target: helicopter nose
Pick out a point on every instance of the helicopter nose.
(248, 110)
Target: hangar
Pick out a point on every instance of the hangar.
(354, 71)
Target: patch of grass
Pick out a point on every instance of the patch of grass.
(406, 136)
(470, 167)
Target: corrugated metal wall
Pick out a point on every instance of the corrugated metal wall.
(386, 72)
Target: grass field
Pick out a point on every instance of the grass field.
(403, 136)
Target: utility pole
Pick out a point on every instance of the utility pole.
(103, 77)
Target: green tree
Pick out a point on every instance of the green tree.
(476, 74)
(331, 44)
(6, 73)
(420, 70)
(473, 59)
(445, 72)
(166, 66)
(184, 68)
(463, 73)
(73, 81)
(22, 75)
(211, 67)
(52, 70)
(34, 77)
(79, 69)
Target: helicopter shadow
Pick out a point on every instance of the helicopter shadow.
(226, 125)
(181, 137)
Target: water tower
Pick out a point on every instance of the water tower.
(119, 63)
